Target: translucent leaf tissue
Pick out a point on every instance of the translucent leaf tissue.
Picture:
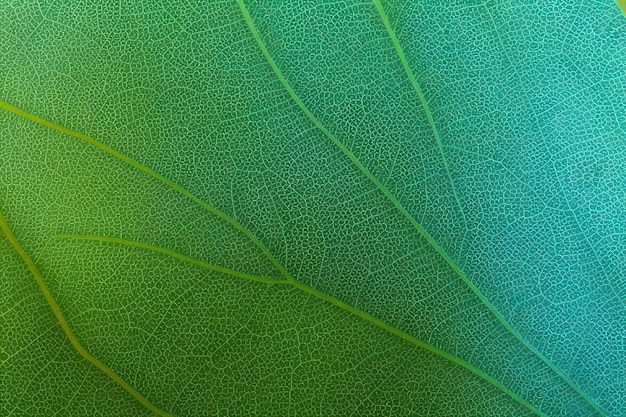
(313, 208)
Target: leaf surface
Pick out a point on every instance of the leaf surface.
(304, 208)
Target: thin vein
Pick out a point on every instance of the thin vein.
(417, 342)
(422, 98)
(66, 328)
(332, 300)
(153, 174)
(397, 204)
(265, 280)
(557, 370)
(409, 72)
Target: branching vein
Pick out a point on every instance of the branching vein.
(359, 165)
(332, 300)
(152, 173)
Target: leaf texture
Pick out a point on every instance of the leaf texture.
(313, 208)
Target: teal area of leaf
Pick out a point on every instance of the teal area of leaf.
(313, 208)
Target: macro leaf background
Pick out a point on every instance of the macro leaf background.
(297, 121)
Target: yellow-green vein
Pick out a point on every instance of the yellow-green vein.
(66, 328)
(265, 280)
(336, 302)
(284, 271)
(152, 173)
(417, 342)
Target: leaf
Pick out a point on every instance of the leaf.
(294, 208)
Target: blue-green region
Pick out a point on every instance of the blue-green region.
(331, 208)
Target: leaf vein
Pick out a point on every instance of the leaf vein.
(265, 280)
(66, 328)
(152, 173)
(336, 302)
(394, 200)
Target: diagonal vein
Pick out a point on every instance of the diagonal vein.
(266, 280)
(420, 95)
(289, 278)
(66, 328)
(332, 300)
(153, 174)
(431, 241)
(419, 343)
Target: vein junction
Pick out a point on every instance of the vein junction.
(332, 300)
(265, 280)
(392, 198)
(288, 277)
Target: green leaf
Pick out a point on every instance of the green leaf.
(312, 208)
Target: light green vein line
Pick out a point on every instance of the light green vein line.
(431, 241)
(284, 271)
(415, 341)
(622, 5)
(266, 280)
(329, 299)
(154, 174)
(66, 328)
(254, 239)
(409, 72)
(420, 94)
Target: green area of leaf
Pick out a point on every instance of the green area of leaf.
(327, 208)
